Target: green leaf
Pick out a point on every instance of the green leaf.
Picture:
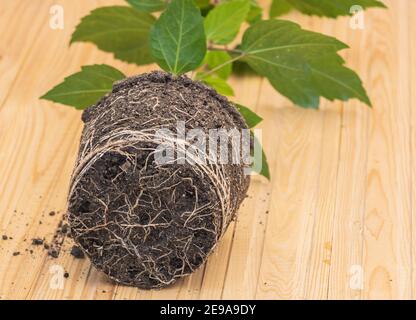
(177, 39)
(255, 13)
(86, 87)
(332, 8)
(202, 3)
(252, 119)
(265, 171)
(279, 8)
(206, 10)
(205, 6)
(215, 59)
(148, 5)
(302, 65)
(241, 68)
(123, 31)
(223, 22)
(220, 85)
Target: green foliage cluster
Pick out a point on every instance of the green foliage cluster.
(199, 36)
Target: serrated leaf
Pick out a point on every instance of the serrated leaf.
(241, 68)
(148, 5)
(215, 59)
(220, 85)
(86, 87)
(205, 6)
(265, 171)
(279, 8)
(332, 8)
(252, 119)
(223, 22)
(302, 65)
(177, 39)
(123, 31)
(255, 13)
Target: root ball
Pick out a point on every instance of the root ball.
(144, 223)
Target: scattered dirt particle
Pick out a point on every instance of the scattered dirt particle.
(65, 228)
(77, 252)
(37, 241)
(4, 237)
(52, 213)
(66, 275)
(53, 253)
(54, 247)
(16, 253)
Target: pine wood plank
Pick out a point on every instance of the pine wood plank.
(412, 91)
(387, 221)
(341, 194)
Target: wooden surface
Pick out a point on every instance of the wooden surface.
(339, 209)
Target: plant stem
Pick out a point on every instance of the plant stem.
(212, 48)
(221, 66)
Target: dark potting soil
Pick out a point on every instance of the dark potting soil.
(142, 223)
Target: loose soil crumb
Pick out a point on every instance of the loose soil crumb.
(52, 213)
(4, 237)
(77, 252)
(16, 253)
(37, 241)
(66, 275)
(65, 229)
(142, 223)
(54, 253)
(54, 248)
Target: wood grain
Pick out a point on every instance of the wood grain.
(336, 221)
